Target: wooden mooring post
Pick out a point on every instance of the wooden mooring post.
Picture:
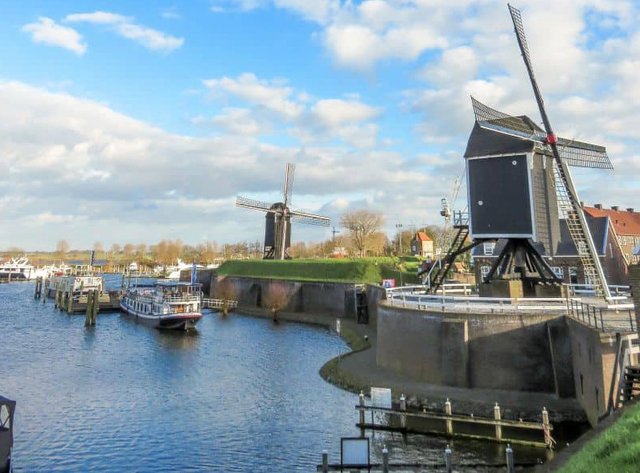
(38, 290)
(403, 424)
(93, 306)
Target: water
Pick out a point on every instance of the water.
(240, 395)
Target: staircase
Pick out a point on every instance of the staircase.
(441, 269)
(578, 230)
(631, 383)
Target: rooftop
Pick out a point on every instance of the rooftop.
(625, 222)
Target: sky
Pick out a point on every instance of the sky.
(135, 122)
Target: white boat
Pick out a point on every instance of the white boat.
(17, 269)
(165, 305)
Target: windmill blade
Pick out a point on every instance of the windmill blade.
(574, 152)
(576, 220)
(500, 122)
(309, 218)
(586, 155)
(253, 204)
(288, 183)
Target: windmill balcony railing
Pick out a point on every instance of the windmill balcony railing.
(616, 315)
(415, 297)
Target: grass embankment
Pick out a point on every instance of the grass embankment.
(617, 449)
(330, 371)
(361, 270)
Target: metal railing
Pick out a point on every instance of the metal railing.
(618, 316)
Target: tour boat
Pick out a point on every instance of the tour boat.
(165, 305)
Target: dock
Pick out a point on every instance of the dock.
(446, 423)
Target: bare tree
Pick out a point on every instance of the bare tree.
(62, 247)
(227, 292)
(276, 298)
(362, 224)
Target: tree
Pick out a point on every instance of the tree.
(98, 248)
(362, 225)
(62, 247)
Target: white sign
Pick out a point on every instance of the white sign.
(354, 451)
(381, 397)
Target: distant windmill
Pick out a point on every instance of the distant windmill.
(277, 234)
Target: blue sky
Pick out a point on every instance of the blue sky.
(138, 121)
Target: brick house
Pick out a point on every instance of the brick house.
(625, 226)
(565, 261)
(422, 246)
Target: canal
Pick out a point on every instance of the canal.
(240, 395)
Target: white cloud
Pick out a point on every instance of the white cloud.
(335, 112)
(128, 28)
(47, 31)
(272, 95)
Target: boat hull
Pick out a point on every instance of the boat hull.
(186, 321)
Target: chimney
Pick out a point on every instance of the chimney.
(630, 209)
(615, 207)
(598, 206)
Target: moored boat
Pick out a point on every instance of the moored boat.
(164, 305)
(7, 408)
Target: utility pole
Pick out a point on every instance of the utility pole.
(333, 233)
(399, 230)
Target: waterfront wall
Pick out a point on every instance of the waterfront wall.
(491, 351)
(529, 352)
(593, 361)
(335, 300)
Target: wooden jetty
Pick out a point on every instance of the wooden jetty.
(453, 425)
(73, 299)
(222, 305)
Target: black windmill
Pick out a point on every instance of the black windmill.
(519, 187)
(277, 234)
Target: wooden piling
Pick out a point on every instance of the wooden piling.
(38, 290)
(447, 459)
(403, 407)
(497, 416)
(385, 460)
(448, 422)
(325, 461)
(70, 300)
(93, 305)
(509, 458)
(361, 401)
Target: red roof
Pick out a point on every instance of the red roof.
(624, 222)
(422, 236)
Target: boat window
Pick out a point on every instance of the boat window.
(5, 418)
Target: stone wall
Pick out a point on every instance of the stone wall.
(475, 351)
(329, 299)
(529, 352)
(593, 363)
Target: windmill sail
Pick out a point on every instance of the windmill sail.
(567, 195)
(279, 216)
(573, 152)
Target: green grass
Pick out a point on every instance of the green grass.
(361, 270)
(617, 449)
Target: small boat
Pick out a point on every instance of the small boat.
(165, 305)
(17, 269)
(7, 409)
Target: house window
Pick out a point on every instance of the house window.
(488, 248)
(558, 271)
(484, 271)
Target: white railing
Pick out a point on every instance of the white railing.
(415, 297)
